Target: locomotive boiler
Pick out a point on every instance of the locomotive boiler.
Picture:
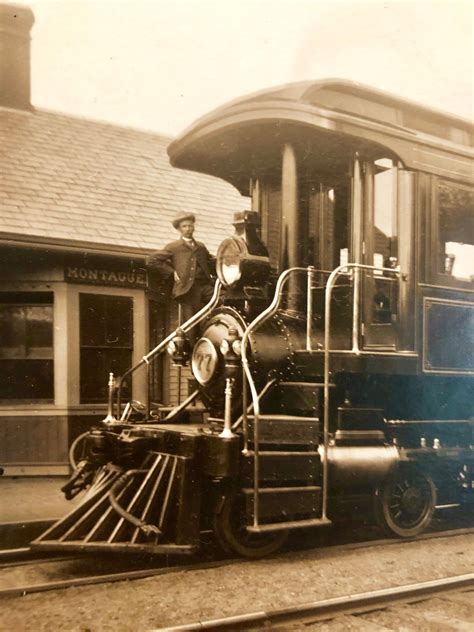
(334, 361)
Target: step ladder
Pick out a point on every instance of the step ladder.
(287, 461)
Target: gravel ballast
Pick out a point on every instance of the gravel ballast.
(245, 586)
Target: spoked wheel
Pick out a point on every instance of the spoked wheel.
(405, 503)
(231, 534)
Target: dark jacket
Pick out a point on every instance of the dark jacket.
(187, 262)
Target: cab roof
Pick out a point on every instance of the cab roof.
(335, 105)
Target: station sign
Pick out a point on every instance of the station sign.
(133, 278)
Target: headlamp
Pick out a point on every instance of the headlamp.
(225, 347)
(230, 256)
(239, 264)
(232, 362)
(237, 347)
(178, 348)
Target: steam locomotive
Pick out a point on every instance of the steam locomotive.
(334, 362)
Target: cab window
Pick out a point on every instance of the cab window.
(455, 232)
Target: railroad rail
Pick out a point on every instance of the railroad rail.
(19, 591)
(177, 566)
(25, 556)
(331, 608)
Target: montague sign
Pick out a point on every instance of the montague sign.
(104, 276)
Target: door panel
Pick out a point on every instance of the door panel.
(388, 231)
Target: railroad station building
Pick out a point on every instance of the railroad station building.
(82, 205)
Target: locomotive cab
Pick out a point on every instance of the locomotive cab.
(334, 359)
(324, 199)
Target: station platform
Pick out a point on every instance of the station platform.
(32, 498)
(28, 505)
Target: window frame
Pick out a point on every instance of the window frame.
(442, 279)
(46, 354)
(83, 399)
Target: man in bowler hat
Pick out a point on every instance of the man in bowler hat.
(190, 264)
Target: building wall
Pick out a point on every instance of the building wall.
(35, 435)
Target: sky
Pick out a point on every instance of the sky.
(159, 65)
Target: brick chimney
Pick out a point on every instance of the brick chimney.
(15, 81)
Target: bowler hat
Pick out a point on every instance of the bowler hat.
(181, 217)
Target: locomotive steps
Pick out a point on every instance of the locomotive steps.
(290, 469)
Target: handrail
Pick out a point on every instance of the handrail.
(262, 393)
(343, 269)
(267, 313)
(189, 324)
(177, 409)
(270, 311)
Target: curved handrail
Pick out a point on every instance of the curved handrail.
(263, 316)
(270, 311)
(258, 320)
(188, 325)
(262, 394)
(346, 270)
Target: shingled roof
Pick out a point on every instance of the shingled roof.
(75, 181)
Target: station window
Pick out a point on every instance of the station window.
(106, 340)
(455, 231)
(26, 347)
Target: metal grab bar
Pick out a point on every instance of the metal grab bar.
(262, 394)
(187, 326)
(270, 311)
(247, 375)
(340, 270)
(177, 409)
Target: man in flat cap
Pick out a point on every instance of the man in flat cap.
(190, 264)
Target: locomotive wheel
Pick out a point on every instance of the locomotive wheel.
(405, 503)
(233, 537)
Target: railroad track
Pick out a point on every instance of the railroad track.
(24, 556)
(151, 569)
(316, 611)
(19, 591)
(330, 538)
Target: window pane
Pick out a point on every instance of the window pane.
(456, 231)
(323, 224)
(27, 380)
(92, 318)
(39, 325)
(385, 245)
(106, 320)
(385, 217)
(12, 331)
(96, 364)
(106, 343)
(26, 346)
(118, 319)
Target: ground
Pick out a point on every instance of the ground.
(284, 580)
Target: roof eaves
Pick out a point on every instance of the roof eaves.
(69, 245)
